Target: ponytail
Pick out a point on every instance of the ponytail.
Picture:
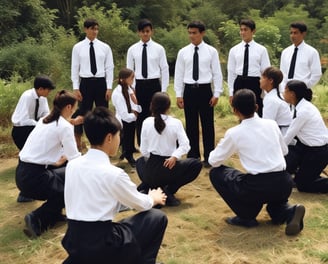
(62, 99)
(160, 103)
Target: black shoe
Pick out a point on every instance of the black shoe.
(122, 156)
(295, 225)
(132, 162)
(22, 199)
(242, 222)
(206, 164)
(33, 226)
(143, 188)
(171, 200)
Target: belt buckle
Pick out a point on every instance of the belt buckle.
(195, 85)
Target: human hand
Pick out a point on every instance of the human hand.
(170, 162)
(214, 101)
(61, 161)
(108, 94)
(77, 121)
(78, 94)
(158, 196)
(180, 103)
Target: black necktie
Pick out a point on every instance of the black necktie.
(93, 64)
(195, 66)
(144, 69)
(292, 65)
(245, 67)
(36, 110)
(294, 115)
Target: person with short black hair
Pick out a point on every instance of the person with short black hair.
(92, 72)
(31, 106)
(306, 66)
(92, 236)
(40, 173)
(309, 157)
(246, 62)
(147, 59)
(261, 151)
(197, 68)
(163, 143)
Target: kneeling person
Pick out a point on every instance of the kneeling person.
(94, 190)
(261, 150)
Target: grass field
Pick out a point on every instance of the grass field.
(196, 233)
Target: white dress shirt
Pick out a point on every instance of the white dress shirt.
(307, 66)
(156, 62)
(94, 189)
(164, 144)
(25, 108)
(308, 126)
(81, 62)
(121, 108)
(277, 109)
(48, 142)
(209, 68)
(259, 144)
(258, 61)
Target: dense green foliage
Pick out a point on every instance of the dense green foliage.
(38, 36)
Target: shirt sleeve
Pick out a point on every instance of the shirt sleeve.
(315, 68)
(109, 68)
(122, 109)
(165, 76)
(68, 141)
(270, 109)
(178, 75)
(125, 192)
(183, 142)
(75, 68)
(231, 71)
(222, 151)
(295, 126)
(217, 74)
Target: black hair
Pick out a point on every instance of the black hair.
(99, 123)
(244, 101)
(90, 22)
(144, 23)
(197, 24)
(300, 89)
(43, 81)
(276, 76)
(61, 100)
(299, 25)
(122, 76)
(248, 23)
(160, 103)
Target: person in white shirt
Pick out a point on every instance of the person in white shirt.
(274, 106)
(261, 150)
(161, 164)
(147, 59)
(92, 78)
(94, 192)
(245, 71)
(309, 157)
(193, 79)
(40, 173)
(127, 110)
(307, 66)
(32, 106)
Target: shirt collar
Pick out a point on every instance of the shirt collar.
(99, 155)
(300, 45)
(249, 43)
(148, 42)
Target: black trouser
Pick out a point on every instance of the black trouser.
(152, 172)
(251, 83)
(145, 89)
(20, 135)
(127, 139)
(37, 182)
(245, 194)
(197, 105)
(135, 240)
(307, 163)
(93, 91)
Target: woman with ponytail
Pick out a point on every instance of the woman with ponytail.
(40, 173)
(274, 106)
(309, 157)
(163, 143)
(127, 110)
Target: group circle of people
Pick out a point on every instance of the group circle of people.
(281, 140)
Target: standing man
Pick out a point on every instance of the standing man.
(300, 61)
(197, 67)
(148, 60)
(246, 62)
(91, 72)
